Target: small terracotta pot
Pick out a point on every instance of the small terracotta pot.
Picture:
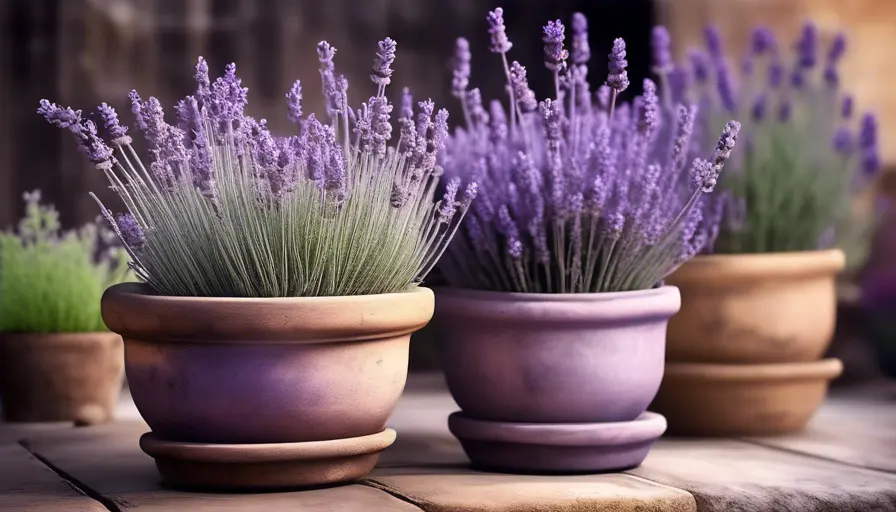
(282, 370)
(755, 308)
(743, 400)
(60, 377)
(554, 358)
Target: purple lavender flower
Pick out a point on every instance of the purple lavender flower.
(478, 115)
(725, 145)
(524, 96)
(763, 41)
(684, 129)
(842, 141)
(424, 117)
(92, 145)
(294, 102)
(461, 68)
(662, 56)
(331, 89)
(581, 50)
(618, 76)
(448, 204)
(699, 66)
(382, 64)
(868, 144)
(554, 54)
(838, 48)
(775, 74)
(511, 233)
(500, 43)
(726, 86)
(407, 103)
(381, 125)
(760, 106)
(704, 174)
(202, 82)
(785, 110)
(713, 39)
(130, 231)
(63, 117)
(650, 118)
(831, 76)
(440, 129)
(807, 46)
(846, 107)
(118, 134)
(498, 122)
(227, 100)
(603, 97)
(797, 79)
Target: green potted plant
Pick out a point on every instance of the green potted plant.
(744, 354)
(58, 362)
(554, 323)
(267, 344)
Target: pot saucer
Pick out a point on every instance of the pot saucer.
(265, 466)
(557, 447)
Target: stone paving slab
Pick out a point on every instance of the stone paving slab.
(26, 484)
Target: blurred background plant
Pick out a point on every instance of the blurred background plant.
(51, 280)
(805, 156)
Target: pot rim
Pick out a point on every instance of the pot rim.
(132, 310)
(55, 337)
(824, 369)
(597, 308)
(713, 268)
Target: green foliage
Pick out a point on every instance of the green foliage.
(245, 242)
(51, 281)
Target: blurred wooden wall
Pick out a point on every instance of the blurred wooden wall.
(83, 52)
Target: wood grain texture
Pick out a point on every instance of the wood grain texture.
(26, 484)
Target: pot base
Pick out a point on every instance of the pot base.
(703, 399)
(557, 448)
(264, 467)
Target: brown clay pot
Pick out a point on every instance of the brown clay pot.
(233, 371)
(60, 377)
(704, 399)
(755, 308)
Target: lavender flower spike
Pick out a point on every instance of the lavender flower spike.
(449, 204)
(382, 64)
(846, 107)
(618, 76)
(726, 145)
(807, 46)
(130, 231)
(117, 134)
(498, 32)
(294, 102)
(581, 50)
(662, 56)
(699, 66)
(407, 104)
(650, 119)
(554, 54)
(461, 68)
(63, 117)
(525, 97)
(763, 41)
(92, 145)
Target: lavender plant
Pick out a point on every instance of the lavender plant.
(226, 209)
(51, 280)
(579, 192)
(806, 155)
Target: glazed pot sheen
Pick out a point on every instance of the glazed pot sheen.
(281, 370)
(755, 308)
(704, 399)
(554, 358)
(60, 377)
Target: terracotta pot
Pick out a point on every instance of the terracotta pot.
(282, 370)
(743, 400)
(554, 358)
(60, 377)
(755, 308)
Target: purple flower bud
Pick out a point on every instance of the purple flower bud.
(202, 82)
(807, 46)
(725, 145)
(470, 192)
(704, 175)
(448, 205)
(846, 108)
(831, 77)
(440, 129)
(525, 97)
(407, 103)
(329, 85)
(760, 105)
(842, 141)
(63, 117)
(478, 115)
(500, 43)
(797, 79)
(130, 231)
(424, 117)
(92, 145)
(498, 123)
(554, 54)
(713, 39)
(837, 49)
(381, 126)
(603, 97)
(662, 56)
(699, 66)
(684, 129)
(581, 50)
(868, 132)
(775, 74)
(117, 134)
(511, 233)
(726, 86)
(461, 68)
(618, 76)
(382, 64)
(785, 110)
(294, 102)
(650, 118)
(763, 41)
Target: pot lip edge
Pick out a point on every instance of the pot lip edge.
(823, 369)
(472, 293)
(139, 290)
(60, 336)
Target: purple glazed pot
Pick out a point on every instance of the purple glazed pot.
(554, 358)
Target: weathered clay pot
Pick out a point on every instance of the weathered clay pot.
(755, 308)
(554, 358)
(705, 399)
(285, 371)
(60, 377)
